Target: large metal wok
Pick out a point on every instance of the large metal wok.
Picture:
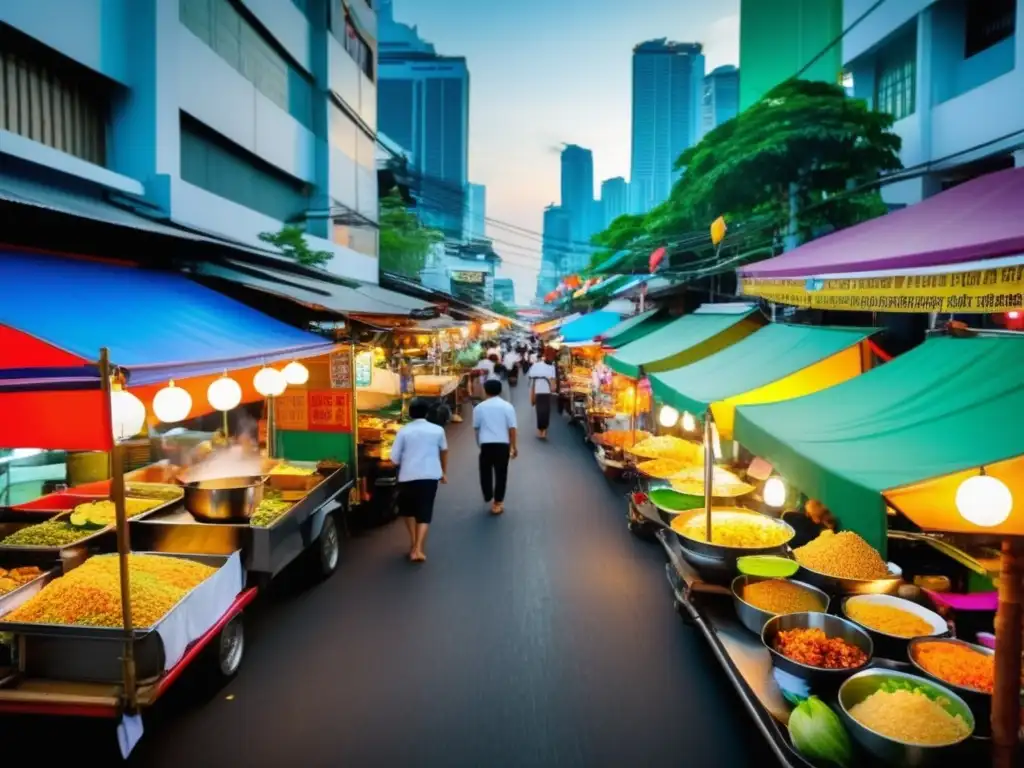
(224, 500)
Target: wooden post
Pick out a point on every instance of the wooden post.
(1006, 693)
(123, 544)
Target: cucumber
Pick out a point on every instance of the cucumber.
(79, 519)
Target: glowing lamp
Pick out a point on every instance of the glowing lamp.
(1013, 315)
(127, 414)
(984, 501)
(172, 404)
(295, 373)
(689, 423)
(668, 416)
(224, 393)
(269, 382)
(492, 326)
(774, 492)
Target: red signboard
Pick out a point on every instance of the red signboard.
(327, 410)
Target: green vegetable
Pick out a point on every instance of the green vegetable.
(818, 734)
(892, 685)
(674, 501)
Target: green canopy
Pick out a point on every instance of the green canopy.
(626, 331)
(684, 340)
(764, 357)
(946, 406)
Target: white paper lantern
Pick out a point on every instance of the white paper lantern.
(269, 382)
(984, 500)
(224, 393)
(774, 492)
(689, 423)
(127, 414)
(668, 416)
(172, 404)
(295, 373)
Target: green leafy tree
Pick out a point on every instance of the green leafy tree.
(404, 241)
(291, 242)
(626, 233)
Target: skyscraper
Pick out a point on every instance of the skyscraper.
(578, 190)
(779, 37)
(423, 104)
(555, 251)
(668, 88)
(476, 211)
(614, 199)
(721, 97)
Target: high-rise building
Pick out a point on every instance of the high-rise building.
(614, 199)
(555, 251)
(578, 190)
(778, 38)
(505, 290)
(423, 104)
(668, 88)
(476, 211)
(217, 116)
(721, 96)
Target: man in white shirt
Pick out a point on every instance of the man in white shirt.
(543, 388)
(421, 452)
(495, 423)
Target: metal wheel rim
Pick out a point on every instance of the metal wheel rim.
(232, 645)
(329, 549)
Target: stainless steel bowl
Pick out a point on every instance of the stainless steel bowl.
(754, 618)
(833, 626)
(225, 500)
(893, 751)
(835, 585)
(890, 646)
(720, 552)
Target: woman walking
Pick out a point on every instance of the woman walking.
(543, 377)
(421, 452)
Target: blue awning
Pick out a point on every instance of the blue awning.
(157, 325)
(588, 326)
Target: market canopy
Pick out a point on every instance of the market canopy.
(587, 327)
(778, 362)
(553, 325)
(632, 328)
(959, 251)
(908, 431)
(685, 340)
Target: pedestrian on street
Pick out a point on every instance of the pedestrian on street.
(421, 452)
(494, 421)
(542, 390)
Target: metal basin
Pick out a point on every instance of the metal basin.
(835, 585)
(893, 751)
(225, 500)
(754, 618)
(726, 553)
(819, 678)
(891, 646)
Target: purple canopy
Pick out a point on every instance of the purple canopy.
(980, 219)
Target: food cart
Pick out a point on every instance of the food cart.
(894, 454)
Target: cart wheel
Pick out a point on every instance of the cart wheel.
(327, 551)
(222, 658)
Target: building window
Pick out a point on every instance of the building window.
(211, 162)
(221, 25)
(987, 23)
(51, 100)
(896, 87)
(360, 238)
(343, 28)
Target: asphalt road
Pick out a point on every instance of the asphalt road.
(545, 637)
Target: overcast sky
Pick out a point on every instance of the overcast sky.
(544, 72)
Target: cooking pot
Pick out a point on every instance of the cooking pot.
(224, 500)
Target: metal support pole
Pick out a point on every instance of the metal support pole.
(709, 471)
(131, 701)
(1009, 618)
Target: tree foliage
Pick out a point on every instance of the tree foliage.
(805, 138)
(627, 233)
(290, 240)
(404, 241)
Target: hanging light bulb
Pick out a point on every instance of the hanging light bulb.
(127, 414)
(689, 423)
(269, 382)
(984, 500)
(296, 373)
(172, 404)
(774, 492)
(224, 393)
(668, 416)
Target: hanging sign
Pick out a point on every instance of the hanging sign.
(477, 278)
(341, 370)
(364, 368)
(327, 410)
(978, 292)
(291, 410)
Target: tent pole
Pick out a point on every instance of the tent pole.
(1006, 692)
(123, 544)
(709, 472)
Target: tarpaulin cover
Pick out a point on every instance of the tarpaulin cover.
(778, 362)
(681, 342)
(976, 220)
(587, 327)
(156, 325)
(948, 406)
(553, 325)
(610, 338)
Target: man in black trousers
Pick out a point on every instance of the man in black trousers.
(494, 421)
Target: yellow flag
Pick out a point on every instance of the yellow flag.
(717, 230)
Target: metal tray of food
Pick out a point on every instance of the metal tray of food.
(11, 600)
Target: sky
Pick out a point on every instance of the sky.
(548, 72)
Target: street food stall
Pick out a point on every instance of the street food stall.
(907, 462)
